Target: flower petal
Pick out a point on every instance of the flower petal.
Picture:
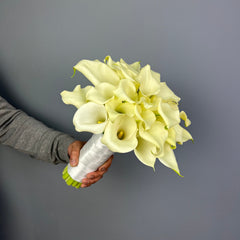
(77, 97)
(90, 117)
(169, 160)
(126, 91)
(120, 136)
(149, 82)
(102, 93)
(144, 152)
(127, 70)
(171, 138)
(116, 107)
(156, 135)
(169, 112)
(182, 135)
(184, 117)
(97, 72)
(167, 94)
(147, 116)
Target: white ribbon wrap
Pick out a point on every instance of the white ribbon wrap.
(93, 154)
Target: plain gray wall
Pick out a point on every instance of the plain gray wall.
(195, 47)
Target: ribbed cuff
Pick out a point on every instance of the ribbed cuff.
(63, 143)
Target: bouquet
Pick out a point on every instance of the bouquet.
(126, 108)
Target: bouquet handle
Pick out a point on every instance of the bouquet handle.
(93, 154)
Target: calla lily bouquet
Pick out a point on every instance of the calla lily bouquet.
(132, 110)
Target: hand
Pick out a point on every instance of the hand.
(93, 177)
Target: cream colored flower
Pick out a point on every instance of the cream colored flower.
(97, 72)
(120, 135)
(182, 135)
(116, 107)
(169, 112)
(77, 97)
(149, 81)
(184, 117)
(144, 152)
(101, 94)
(157, 135)
(123, 69)
(168, 159)
(90, 117)
(126, 91)
(167, 94)
(145, 115)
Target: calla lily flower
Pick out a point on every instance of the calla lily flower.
(127, 91)
(146, 116)
(146, 101)
(168, 159)
(116, 107)
(182, 135)
(120, 135)
(171, 139)
(167, 94)
(97, 72)
(130, 71)
(90, 117)
(169, 112)
(149, 81)
(101, 94)
(123, 69)
(157, 135)
(77, 97)
(144, 152)
(184, 117)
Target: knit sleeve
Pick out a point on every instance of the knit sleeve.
(28, 135)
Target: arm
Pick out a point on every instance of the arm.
(24, 133)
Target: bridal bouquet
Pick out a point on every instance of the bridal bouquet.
(127, 108)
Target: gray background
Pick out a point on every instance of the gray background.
(195, 47)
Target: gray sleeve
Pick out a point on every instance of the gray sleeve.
(26, 134)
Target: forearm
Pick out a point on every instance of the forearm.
(24, 133)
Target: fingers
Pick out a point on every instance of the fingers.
(86, 182)
(103, 168)
(94, 177)
(74, 151)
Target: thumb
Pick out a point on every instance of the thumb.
(74, 152)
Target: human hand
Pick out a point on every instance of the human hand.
(93, 177)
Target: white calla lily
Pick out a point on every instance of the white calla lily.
(146, 116)
(145, 100)
(182, 135)
(184, 117)
(101, 94)
(169, 112)
(123, 69)
(116, 107)
(129, 71)
(167, 94)
(127, 91)
(120, 135)
(168, 159)
(171, 138)
(156, 135)
(115, 66)
(144, 152)
(97, 72)
(90, 117)
(77, 97)
(149, 81)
